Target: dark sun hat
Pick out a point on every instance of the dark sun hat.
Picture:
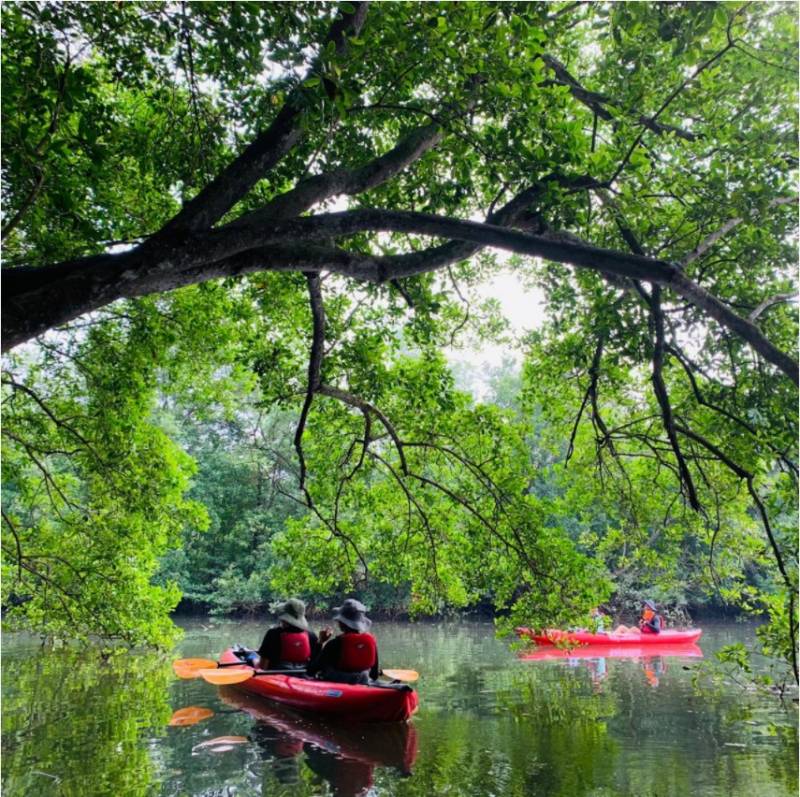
(292, 611)
(650, 605)
(352, 614)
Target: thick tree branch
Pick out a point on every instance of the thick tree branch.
(350, 181)
(265, 151)
(104, 278)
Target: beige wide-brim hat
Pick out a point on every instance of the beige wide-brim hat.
(292, 611)
(352, 614)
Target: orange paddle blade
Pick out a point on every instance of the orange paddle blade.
(402, 675)
(188, 668)
(234, 675)
(190, 715)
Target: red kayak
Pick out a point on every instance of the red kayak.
(553, 636)
(614, 651)
(361, 703)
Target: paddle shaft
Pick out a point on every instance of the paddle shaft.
(401, 675)
(237, 676)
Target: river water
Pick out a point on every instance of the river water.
(489, 723)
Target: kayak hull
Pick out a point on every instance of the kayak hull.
(553, 636)
(347, 701)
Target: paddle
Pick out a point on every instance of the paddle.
(190, 668)
(409, 676)
(213, 676)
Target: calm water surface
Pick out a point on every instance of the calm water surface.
(489, 724)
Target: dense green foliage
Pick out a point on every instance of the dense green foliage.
(658, 131)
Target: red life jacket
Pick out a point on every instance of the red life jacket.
(654, 618)
(295, 647)
(358, 652)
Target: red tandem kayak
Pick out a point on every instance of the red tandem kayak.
(361, 703)
(553, 636)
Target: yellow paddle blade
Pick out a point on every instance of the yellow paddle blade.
(190, 715)
(224, 677)
(402, 675)
(188, 668)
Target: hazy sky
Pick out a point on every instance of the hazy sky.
(521, 305)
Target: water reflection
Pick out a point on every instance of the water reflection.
(567, 724)
(593, 658)
(73, 721)
(343, 755)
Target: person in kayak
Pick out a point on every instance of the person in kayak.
(352, 656)
(599, 620)
(290, 645)
(651, 622)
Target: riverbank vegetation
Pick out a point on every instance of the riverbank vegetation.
(241, 239)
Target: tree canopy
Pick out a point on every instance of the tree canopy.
(294, 205)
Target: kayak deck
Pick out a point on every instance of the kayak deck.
(350, 701)
(553, 636)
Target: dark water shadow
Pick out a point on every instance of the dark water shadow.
(343, 754)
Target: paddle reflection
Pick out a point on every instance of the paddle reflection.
(344, 755)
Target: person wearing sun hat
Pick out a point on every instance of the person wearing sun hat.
(352, 656)
(651, 622)
(290, 645)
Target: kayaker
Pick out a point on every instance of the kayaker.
(599, 620)
(351, 657)
(289, 645)
(651, 622)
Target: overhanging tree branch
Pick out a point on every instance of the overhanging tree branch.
(314, 370)
(597, 101)
(106, 276)
(660, 390)
(269, 147)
